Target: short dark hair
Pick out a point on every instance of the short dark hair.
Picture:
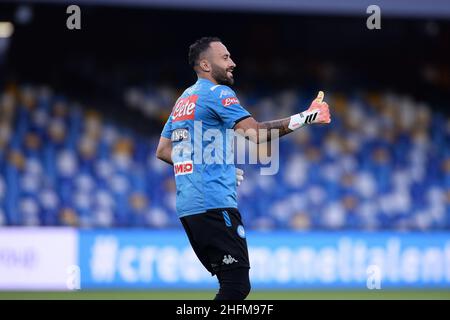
(198, 47)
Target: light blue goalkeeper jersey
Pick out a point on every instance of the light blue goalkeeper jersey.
(202, 147)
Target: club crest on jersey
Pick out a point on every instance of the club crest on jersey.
(185, 167)
(230, 101)
(241, 231)
(184, 109)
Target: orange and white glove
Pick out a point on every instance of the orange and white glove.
(318, 112)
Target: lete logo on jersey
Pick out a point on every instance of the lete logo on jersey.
(229, 101)
(184, 109)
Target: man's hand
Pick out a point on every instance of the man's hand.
(260, 132)
(321, 107)
(239, 176)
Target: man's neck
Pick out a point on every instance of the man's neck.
(208, 77)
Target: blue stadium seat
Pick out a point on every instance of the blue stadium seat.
(64, 165)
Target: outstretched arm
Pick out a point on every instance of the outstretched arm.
(259, 132)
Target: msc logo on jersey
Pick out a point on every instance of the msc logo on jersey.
(181, 168)
(229, 101)
(184, 109)
(180, 135)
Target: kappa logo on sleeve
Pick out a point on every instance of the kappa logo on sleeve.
(230, 101)
(225, 92)
(184, 109)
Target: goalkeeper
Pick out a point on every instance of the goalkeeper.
(206, 193)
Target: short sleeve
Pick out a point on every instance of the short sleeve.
(167, 130)
(227, 106)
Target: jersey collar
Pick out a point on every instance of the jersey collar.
(204, 80)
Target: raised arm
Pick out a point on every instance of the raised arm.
(259, 132)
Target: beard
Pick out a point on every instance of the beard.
(221, 76)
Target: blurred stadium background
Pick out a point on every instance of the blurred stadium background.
(80, 117)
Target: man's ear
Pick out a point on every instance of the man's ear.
(204, 65)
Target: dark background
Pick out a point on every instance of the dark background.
(119, 46)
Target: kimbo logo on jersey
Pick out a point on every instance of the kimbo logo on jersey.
(184, 109)
(185, 167)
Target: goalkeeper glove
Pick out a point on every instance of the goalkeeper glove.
(318, 112)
